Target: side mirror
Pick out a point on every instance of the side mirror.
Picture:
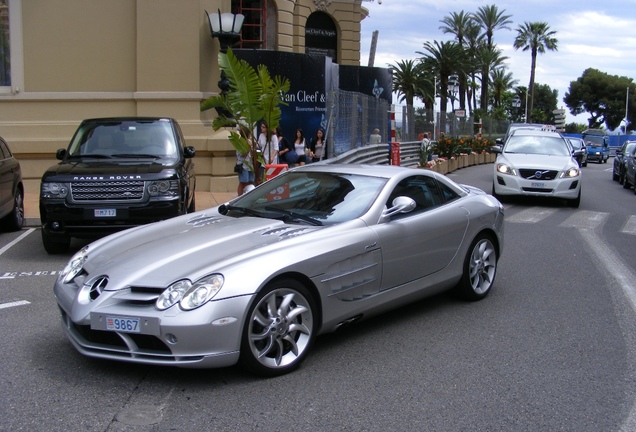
(496, 149)
(189, 152)
(401, 204)
(60, 154)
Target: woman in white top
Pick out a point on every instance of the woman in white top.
(300, 146)
(269, 149)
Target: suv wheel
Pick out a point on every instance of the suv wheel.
(55, 245)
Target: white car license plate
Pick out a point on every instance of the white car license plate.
(538, 184)
(123, 324)
(105, 212)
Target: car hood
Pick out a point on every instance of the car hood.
(188, 246)
(532, 161)
(123, 166)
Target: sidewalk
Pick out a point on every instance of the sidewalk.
(203, 200)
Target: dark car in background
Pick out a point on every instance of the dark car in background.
(618, 171)
(579, 144)
(11, 190)
(630, 169)
(117, 173)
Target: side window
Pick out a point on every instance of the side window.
(447, 193)
(422, 189)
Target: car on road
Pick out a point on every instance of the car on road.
(256, 279)
(597, 142)
(630, 169)
(579, 144)
(537, 163)
(117, 173)
(618, 168)
(11, 190)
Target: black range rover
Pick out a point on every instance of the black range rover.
(117, 173)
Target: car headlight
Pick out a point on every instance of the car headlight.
(201, 292)
(570, 173)
(163, 187)
(188, 295)
(506, 169)
(74, 266)
(53, 190)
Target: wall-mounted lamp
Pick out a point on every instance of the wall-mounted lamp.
(226, 27)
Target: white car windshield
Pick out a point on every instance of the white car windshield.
(317, 198)
(537, 144)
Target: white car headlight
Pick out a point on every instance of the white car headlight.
(506, 169)
(571, 173)
(201, 292)
(74, 266)
(173, 294)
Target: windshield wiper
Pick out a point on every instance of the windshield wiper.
(246, 211)
(134, 155)
(295, 216)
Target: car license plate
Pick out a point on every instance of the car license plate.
(105, 212)
(538, 184)
(123, 324)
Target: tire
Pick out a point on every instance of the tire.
(626, 184)
(15, 220)
(615, 176)
(192, 206)
(480, 269)
(495, 195)
(621, 178)
(576, 202)
(584, 164)
(279, 330)
(55, 245)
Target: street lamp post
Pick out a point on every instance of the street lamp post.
(226, 27)
(516, 104)
(453, 88)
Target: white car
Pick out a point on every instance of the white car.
(537, 163)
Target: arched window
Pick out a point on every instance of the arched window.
(321, 35)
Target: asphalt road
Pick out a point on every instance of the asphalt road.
(552, 348)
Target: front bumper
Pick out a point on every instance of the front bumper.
(206, 337)
(560, 188)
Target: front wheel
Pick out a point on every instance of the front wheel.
(480, 268)
(279, 330)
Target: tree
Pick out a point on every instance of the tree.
(502, 82)
(459, 24)
(545, 102)
(444, 59)
(409, 82)
(254, 96)
(487, 59)
(490, 19)
(535, 37)
(604, 97)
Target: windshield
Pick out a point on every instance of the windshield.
(112, 139)
(537, 144)
(594, 140)
(316, 198)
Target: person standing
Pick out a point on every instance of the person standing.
(244, 171)
(375, 137)
(425, 147)
(318, 146)
(300, 146)
(269, 147)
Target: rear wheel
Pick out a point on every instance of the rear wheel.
(626, 183)
(480, 268)
(15, 220)
(279, 330)
(55, 245)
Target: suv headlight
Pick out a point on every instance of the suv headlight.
(163, 187)
(54, 190)
(188, 295)
(571, 173)
(506, 169)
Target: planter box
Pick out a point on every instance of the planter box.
(452, 165)
(481, 158)
(471, 159)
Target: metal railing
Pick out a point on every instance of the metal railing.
(379, 154)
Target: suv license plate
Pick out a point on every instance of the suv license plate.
(128, 325)
(538, 184)
(105, 212)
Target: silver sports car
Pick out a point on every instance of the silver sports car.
(255, 280)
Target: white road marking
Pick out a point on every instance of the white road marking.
(8, 246)
(630, 226)
(531, 215)
(585, 219)
(13, 304)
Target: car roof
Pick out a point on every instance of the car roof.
(535, 132)
(385, 171)
(121, 119)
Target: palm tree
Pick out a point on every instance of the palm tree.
(444, 59)
(409, 82)
(535, 37)
(487, 59)
(502, 82)
(254, 96)
(458, 24)
(490, 19)
(474, 41)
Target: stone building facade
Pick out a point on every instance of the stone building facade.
(68, 60)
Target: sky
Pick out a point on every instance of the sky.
(590, 34)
